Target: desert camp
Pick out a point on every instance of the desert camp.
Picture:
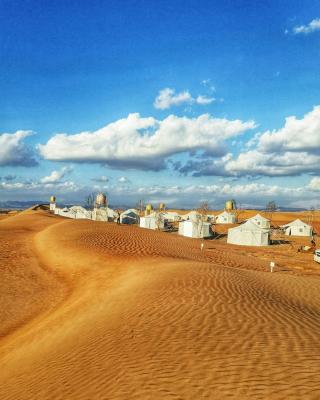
(160, 200)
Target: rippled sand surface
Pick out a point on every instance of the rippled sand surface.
(94, 311)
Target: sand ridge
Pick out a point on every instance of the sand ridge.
(151, 317)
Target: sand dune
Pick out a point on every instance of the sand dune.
(119, 312)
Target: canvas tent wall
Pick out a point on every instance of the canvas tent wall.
(104, 214)
(129, 217)
(226, 218)
(192, 216)
(211, 218)
(152, 222)
(249, 234)
(65, 212)
(297, 228)
(260, 221)
(80, 212)
(316, 256)
(171, 216)
(195, 229)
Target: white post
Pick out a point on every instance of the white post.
(201, 246)
(272, 265)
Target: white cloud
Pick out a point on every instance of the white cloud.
(56, 176)
(313, 26)
(314, 184)
(101, 179)
(123, 179)
(289, 151)
(203, 100)
(296, 135)
(168, 98)
(144, 143)
(38, 188)
(255, 194)
(13, 150)
(255, 162)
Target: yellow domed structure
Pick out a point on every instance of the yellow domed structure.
(162, 207)
(52, 199)
(149, 209)
(230, 205)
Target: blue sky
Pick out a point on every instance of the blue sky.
(226, 72)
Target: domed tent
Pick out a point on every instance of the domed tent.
(297, 228)
(260, 221)
(226, 218)
(129, 217)
(249, 234)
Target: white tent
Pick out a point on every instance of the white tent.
(152, 222)
(171, 216)
(80, 212)
(316, 256)
(192, 216)
(298, 228)
(104, 214)
(261, 221)
(65, 212)
(130, 217)
(226, 218)
(211, 217)
(195, 229)
(249, 234)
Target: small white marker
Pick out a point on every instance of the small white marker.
(201, 246)
(272, 265)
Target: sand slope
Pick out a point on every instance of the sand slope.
(129, 313)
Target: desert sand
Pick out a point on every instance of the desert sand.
(92, 310)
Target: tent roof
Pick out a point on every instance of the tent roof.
(130, 210)
(249, 226)
(189, 221)
(225, 213)
(296, 222)
(260, 217)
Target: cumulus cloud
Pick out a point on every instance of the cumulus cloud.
(123, 179)
(273, 164)
(101, 179)
(314, 184)
(56, 176)
(313, 26)
(13, 150)
(203, 100)
(289, 151)
(255, 194)
(144, 143)
(38, 188)
(296, 135)
(168, 97)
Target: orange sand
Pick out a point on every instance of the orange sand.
(93, 310)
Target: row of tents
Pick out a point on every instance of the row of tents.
(256, 231)
(253, 232)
